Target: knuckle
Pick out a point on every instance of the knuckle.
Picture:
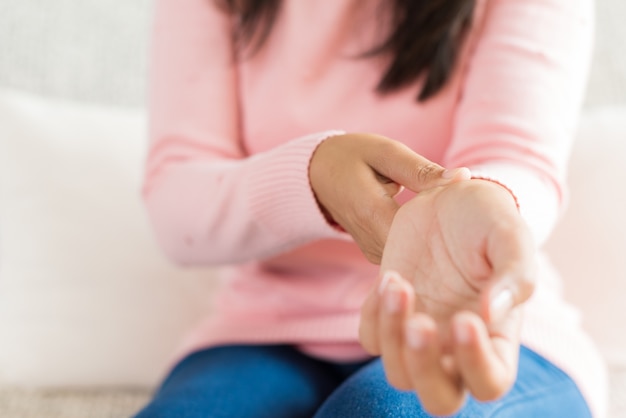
(370, 252)
(426, 173)
(373, 258)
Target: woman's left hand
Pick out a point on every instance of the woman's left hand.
(445, 317)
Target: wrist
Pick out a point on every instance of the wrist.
(504, 186)
(318, 171)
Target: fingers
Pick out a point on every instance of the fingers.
(440, 392)
(487, 363)
(354, 178)
(379, 302)
(368, 325)
(402, 165)
(390, 187)
(397, 301)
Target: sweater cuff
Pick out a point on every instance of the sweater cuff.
(538, 199)
(280, 194)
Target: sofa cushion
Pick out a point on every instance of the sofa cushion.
(85, 295)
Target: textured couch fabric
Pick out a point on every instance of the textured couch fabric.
(79, 403)
(95, 51)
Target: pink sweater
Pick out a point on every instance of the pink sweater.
(230, 142)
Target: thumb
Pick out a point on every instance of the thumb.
(403, 166)
(503, 297)
(513, 280)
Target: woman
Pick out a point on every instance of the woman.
(282, 132)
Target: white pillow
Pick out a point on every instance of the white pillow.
(589, 245)
(86, 298)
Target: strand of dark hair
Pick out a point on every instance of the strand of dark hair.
(426, 41)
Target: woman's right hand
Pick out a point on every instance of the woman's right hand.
(356, 176)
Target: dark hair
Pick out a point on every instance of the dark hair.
(427, 38)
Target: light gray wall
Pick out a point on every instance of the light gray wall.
(607, 82)
(95, 50)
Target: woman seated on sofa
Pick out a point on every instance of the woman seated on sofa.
(283, 133)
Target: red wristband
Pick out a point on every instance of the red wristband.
(500, 184)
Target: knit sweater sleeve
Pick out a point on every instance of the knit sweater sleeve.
(208, 201)
(523, 88)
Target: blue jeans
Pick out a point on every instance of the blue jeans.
(279, 381)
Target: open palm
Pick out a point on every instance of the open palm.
(455, 243)
(444, 321)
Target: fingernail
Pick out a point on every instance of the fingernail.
(393, 297)
(415, 337)
(462, 173)
(466, 173)
(400, 190)
(385, 281)
(462, 332)
(501, 304)
(448, 174)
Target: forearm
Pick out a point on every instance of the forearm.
(206, 210)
